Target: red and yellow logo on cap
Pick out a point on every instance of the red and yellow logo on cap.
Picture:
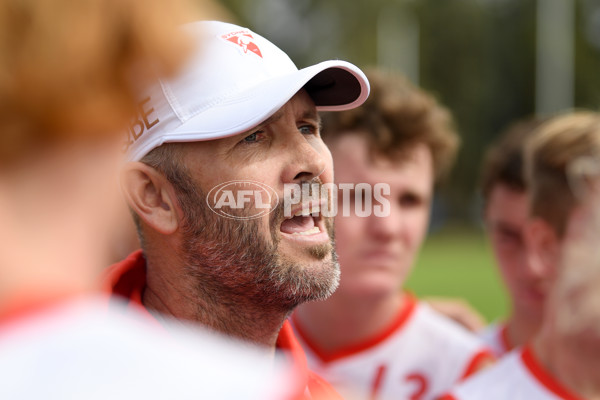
(244, 40)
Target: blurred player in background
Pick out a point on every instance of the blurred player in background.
(242, 114)
(505, 198)
(370, 339)
(66, 96)
(561, 362)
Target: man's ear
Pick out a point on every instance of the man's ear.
(151, 197)
(543, 241)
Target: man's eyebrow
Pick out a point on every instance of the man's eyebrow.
(311, 114)
(507, 228)
(277, 116)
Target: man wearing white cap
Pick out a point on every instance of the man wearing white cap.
(240, 116)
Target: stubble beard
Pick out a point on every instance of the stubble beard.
(234, 262)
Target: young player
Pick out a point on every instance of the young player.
(561, 362)
(505, 198)
(370, 339)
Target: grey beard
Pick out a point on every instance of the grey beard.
(234, 265)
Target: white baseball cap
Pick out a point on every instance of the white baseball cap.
(235, 80)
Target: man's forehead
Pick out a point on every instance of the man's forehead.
(505, 225)
(273, 118)
(354, 147)
(306, 111)
(301, 104)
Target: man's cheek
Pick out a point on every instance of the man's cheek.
(328, 173)
(416, 225)
(348, 232)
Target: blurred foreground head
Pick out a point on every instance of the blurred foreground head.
(66, 95)
(554, 159)
(557, 144)
(576, 295)
(570, 335)
(67, 66)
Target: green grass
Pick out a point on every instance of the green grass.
(458, 262)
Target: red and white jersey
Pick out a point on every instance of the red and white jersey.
(495, 336)
(79, 347)
(421, 355)
(518, 376)
(126, 281)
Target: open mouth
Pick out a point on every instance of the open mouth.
(305, 221)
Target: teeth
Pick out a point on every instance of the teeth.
(311, 231)
(307, 212)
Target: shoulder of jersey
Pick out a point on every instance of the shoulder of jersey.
(491, 336)
(83, 350)
(449, 330)
(496, 382)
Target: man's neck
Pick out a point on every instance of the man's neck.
(183, 297)
(571, 364)
(522, 327)
(341, 321)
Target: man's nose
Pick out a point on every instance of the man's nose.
(306, 162)
(535, 266)
(386, 227)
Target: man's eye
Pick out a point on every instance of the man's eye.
(253, 137)
(410, 200)
(307, 129)
(512, 239)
